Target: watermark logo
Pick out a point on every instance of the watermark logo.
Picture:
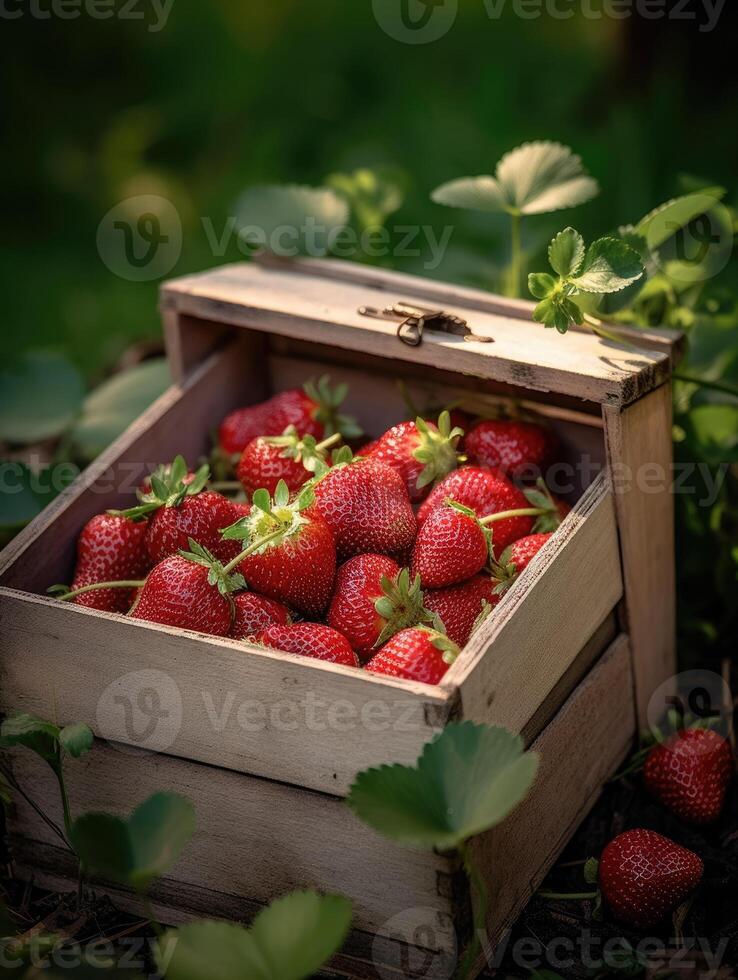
(417, 942)
(143, 709)
(698, 250)
(692, 697)
(140, 239)
(415, 21)
(154, 13)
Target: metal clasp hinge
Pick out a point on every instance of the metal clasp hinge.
(413, 320)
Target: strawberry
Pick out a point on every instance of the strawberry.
(366, 505)
(643, 876)
(373, 600)
(110, 547)
(519, 449)
(254, 613)
(484, 491)
(451, 546)
(292, 553)
(289, 457)
(460, 606)
(690, 773)
(312, 410)
(415, 654)
(310, 640)
(191, 590)
(420, 452)
(515, 559)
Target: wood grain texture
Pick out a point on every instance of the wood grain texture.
(536, 633)
(305, 307)
(640, 455)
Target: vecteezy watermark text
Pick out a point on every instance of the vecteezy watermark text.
(154, 13)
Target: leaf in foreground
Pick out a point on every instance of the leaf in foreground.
(466, 781)
(609, 266)
(40, 394)
(289, 940)
(139, 849)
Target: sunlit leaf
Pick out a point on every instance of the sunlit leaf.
(76, 739)
(472, 193)
(40, 395)
(372, 195)
(566, 252)
(466, 781)
(609, 266)
(664, 222)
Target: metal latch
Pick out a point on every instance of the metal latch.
(413, 320)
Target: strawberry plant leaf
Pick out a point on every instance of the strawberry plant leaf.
(22, 500)
(466, 781)
(372, 195)
(137, 850)
(541, 284)
(290, 940)
(40, 395)
(76, 739)
(566, 253)
(291, 220)
(609, 266)
(42, 737)
(471, 193)
(661, 224)
(262, 500)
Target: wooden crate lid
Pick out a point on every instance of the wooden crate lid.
(319, 300)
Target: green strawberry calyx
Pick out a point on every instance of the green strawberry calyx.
(226, 582)
(437, 635)
(400, 605)
(327, 401)
(271, 521)
(549, 518)
(304, 449)
(436, 449)
(169, 487)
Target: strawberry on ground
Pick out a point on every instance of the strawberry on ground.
(374, 599)
(313, 410)
(484, 491)
(451, 546)
(295, 563)
(366, 505)
(254, 613)
(310, 640)
(421, 452)
(690, 773)
(643, 876)
(520, 449)
(460, 606)
(415, 654)
(110, 548)
(289, 457)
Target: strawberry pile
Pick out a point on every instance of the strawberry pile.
(385, 560)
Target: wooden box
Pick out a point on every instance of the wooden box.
(267, 744)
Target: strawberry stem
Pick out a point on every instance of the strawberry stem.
(505, 515)
(254, 546)
(132, 584)
(327, 443)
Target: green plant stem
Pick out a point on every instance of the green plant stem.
(252, 548)
(481, 907)
(567, 896)
(601, 331)
(153, 921)
(327, 443)
(720, 386)
(34, 806)
(516, 255)
(505, 515)
(58, 772)
(130, 584)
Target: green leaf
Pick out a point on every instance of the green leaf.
(42, 737)
(140, 849)
(289, 940)
(712, 432)
(566, 253)
(291, 220)
(372, 195)
(541, 284)
(76, 739)
(116, 403)
(40, 395)
(20, 499)
(609, 266)
(466, 781)
(664, 222)
(559, 312)
(535, 178)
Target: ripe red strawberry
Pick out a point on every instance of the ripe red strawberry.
(297, 564)
(254, 613)
(519, 449)
(415, 654)
(373, 600)
(420, 452)
(484, 491)
(312, 410)
(190, 591)
(366, 505)
(289, 457)
(460, 606)
(690, 773)
(310, 640)
(110, 548)
(451, 546)
(643, 876)
(515, 559)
